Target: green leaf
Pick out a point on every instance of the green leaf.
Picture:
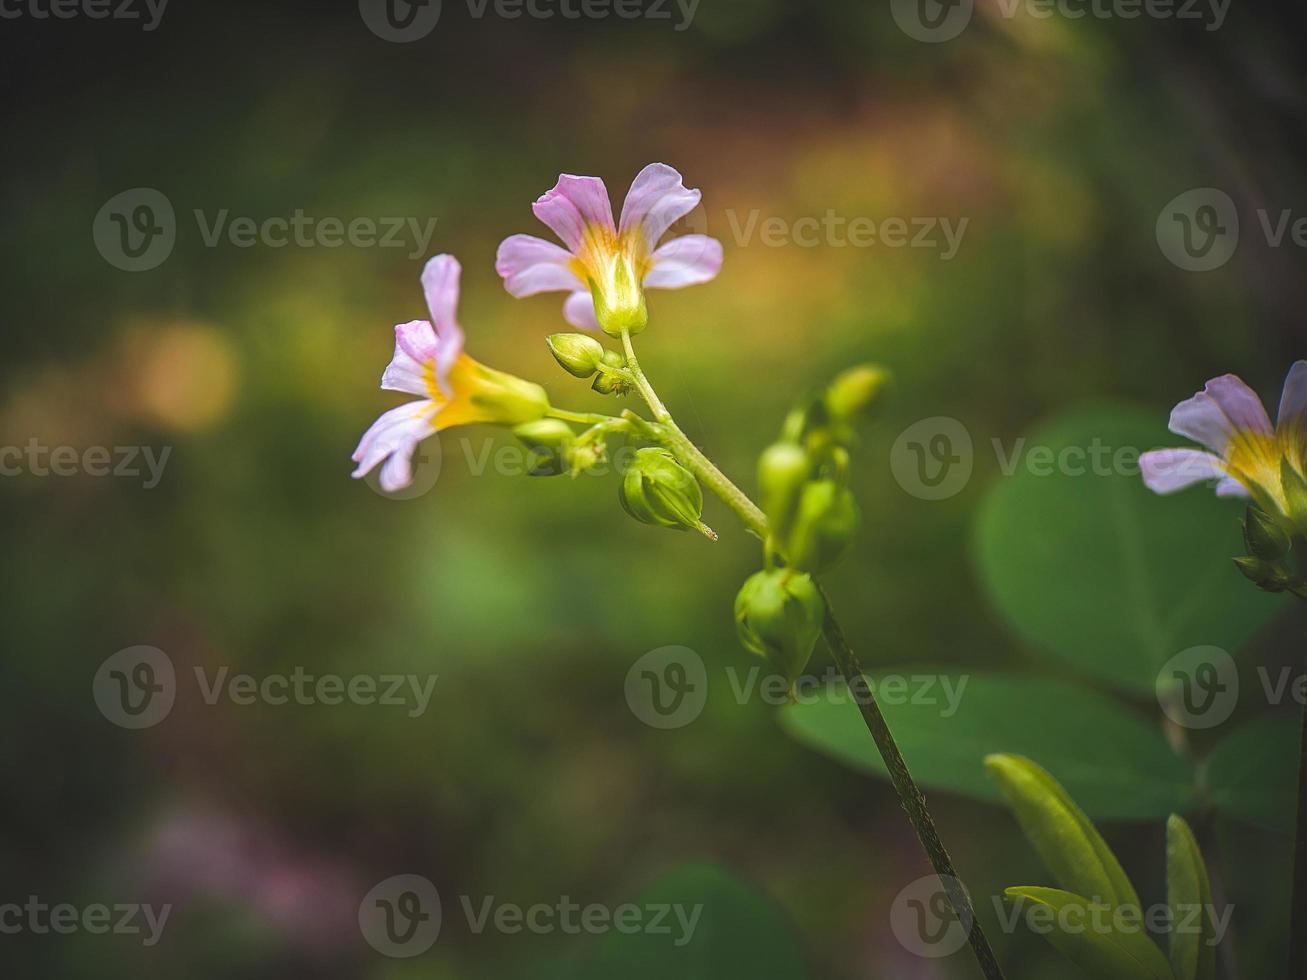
(1193, 954)
(738, 934)
(1098, 571)
(1253, 774)
(1069, 845)
(1104, 953)
(1115, 765)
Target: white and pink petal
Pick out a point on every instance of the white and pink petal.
(1224, 408)
(685, 261)
(574, 205)
(415, 348)
(530, 265)
(392, 438)
(440, 283)
(658, 198)
(1170, 470)
(579, 310)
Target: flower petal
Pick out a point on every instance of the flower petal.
(415, 348)
(1216, 415)
(1293, 401)
(658, 197)
(1230, 487)
(685, 261)
(440, 280)
(579, 310)
(531, 265)
(574, 204)
(393, 437)
(1169, 470)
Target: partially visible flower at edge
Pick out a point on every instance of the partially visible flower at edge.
(606, 267)
(1248, 456)
(458, 390)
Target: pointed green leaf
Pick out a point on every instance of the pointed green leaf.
(1090, 942)
(1193, 953)
(1069, 845)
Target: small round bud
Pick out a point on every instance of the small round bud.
(550, 441)
(783, 468)
(778, 615)
(576, 353)
(614, 359)
(825, 524)
(611, 384)
(658, 490)
(856, 392)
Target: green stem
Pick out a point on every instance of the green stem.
(582, 418)
(690, 454)
(909, 793)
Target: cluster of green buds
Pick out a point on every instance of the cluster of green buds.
(1269, 562)
(584, 357)
(812, 519)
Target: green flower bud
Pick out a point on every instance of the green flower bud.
(1267, 576)
(856, 392)
(550, 441)
(576, 353)
(614, 359)
(658, 490)
(1264, 536)
(825, 524)
(783, 468)
(611, 384)
(778, 615)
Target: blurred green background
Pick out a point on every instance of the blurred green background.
(530, 777)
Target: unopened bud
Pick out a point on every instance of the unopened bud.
(549, 441)
(1264, 536)
(576, 353)
(825, 524)
(856, 392)
(1267, 576)
(658, 490)
(778, 615)
(783, 468)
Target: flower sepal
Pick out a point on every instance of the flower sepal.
(658, 490)
(778, 615)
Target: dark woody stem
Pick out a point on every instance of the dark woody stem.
(909, 793)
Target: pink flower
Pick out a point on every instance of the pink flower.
(1247, 456)
(607, 267)
(457, 390)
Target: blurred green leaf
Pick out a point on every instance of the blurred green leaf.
(1115, 765)
(738, 933)
(1102, 952)
(1193, 954)
(1253, 774)
(1069, 845)
(1100, 572)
